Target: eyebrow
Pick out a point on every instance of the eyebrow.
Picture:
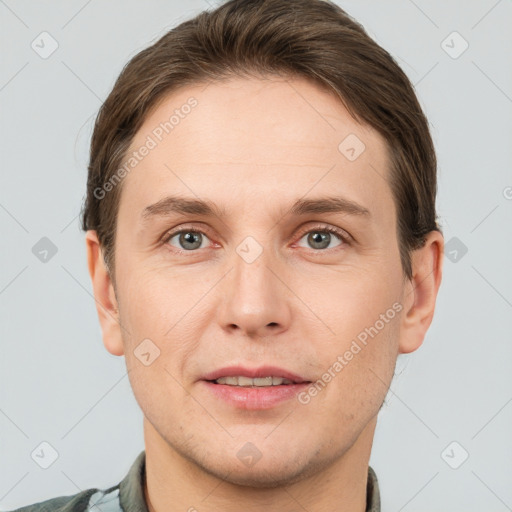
(329, 205)
(182, 205)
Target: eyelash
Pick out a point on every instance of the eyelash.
(343, 236)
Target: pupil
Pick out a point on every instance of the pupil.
(190, 238)
(319, 240)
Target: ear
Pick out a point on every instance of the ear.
(104, 295)
(420, 292)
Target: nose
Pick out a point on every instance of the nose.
(256, 300)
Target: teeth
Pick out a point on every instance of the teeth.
(244, 381)
(256, 382)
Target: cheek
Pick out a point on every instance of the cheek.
(156, 299)
(162, 317)
(354, 382)
(362, 319)
(352, 300)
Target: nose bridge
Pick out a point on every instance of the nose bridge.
(251, 273)
(255, 300)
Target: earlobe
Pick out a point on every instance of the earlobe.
(104, 296)
(421, 292)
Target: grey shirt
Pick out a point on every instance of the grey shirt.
(128, 495)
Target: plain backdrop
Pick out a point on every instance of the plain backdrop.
(443, 438)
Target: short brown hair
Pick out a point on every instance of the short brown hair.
(312, 39)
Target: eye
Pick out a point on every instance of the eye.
(321, 237)
(187, 239)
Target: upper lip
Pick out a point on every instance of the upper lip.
(262, 371)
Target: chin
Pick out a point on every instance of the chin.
(262, 475)
(279, 466)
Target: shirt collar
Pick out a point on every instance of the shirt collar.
(372, 492)
(131, 488)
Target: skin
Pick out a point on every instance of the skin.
(254, 146)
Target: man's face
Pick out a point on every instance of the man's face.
(259, 283)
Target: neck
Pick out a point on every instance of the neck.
(174, 483)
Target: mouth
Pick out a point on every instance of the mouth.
(247, 382)
(254, 389)
(262, 377)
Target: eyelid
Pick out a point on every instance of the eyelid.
(183, 227)
(171, 233)
(344, 236)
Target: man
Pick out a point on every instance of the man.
(262, 242)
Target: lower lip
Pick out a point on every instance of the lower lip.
(257, 397)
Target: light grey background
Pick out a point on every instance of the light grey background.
(59, 384)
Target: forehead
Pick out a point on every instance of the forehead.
(245, 138)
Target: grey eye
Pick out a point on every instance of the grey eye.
(320, 239)
(188, 240)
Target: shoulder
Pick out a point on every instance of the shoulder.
(83, 501)
(128, 492)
